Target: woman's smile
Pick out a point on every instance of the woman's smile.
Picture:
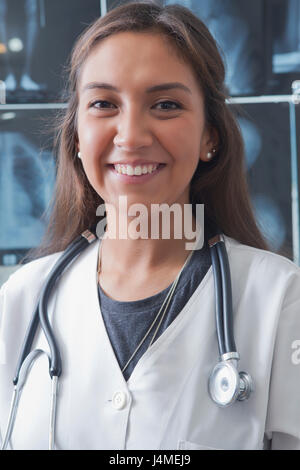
(139, 174)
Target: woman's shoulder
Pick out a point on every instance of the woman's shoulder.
(272, 272)
(250, 254)
(30, 274)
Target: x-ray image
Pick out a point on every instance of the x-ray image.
(15, 44)
(237, 25)
(266, 133)
(27, 176)
(36, 37)
(286, 36)
(283, 32)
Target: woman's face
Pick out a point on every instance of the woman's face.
(139, 104)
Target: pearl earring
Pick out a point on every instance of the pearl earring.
(79, 155)
(209, 155)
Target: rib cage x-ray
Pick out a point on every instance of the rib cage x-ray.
(266, 133)
(27, 177)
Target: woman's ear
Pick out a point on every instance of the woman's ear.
(209, 144)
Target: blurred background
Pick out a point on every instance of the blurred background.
(260, 44)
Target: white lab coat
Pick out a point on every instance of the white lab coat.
(165, 403)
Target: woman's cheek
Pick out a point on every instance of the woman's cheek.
(89, 134)
(183, 142)
(93, 165)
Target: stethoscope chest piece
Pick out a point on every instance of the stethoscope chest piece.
(223, 383)
(226, 385)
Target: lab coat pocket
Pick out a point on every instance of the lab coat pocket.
(187, 445)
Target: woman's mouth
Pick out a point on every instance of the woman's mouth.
(136, 174)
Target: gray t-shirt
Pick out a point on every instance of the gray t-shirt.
(127, 322)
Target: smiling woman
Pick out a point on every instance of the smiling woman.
(132, 318)
(122, 86)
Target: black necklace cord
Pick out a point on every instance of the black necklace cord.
(227, 298)
(218, 294)
(70, 252)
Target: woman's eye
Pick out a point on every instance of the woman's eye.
(168, 105)
(101, 104)
(164, 105)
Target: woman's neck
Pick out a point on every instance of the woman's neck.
(133, 271)
(155, 244)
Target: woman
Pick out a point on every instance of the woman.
(147, 121)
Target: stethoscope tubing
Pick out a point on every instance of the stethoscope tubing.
(55, 363)
(218, 299)
(223, 298)
(22, 377)
(71, 252)
(227, 298)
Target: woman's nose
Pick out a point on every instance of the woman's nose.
(133, 132)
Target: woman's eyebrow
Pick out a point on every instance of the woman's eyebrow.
(161, 87)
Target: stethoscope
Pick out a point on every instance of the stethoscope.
(225, 384)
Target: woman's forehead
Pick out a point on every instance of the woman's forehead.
(136, 57)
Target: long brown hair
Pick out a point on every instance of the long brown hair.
(219, 184)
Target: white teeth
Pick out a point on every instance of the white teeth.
(129, 170)
(137, 170)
